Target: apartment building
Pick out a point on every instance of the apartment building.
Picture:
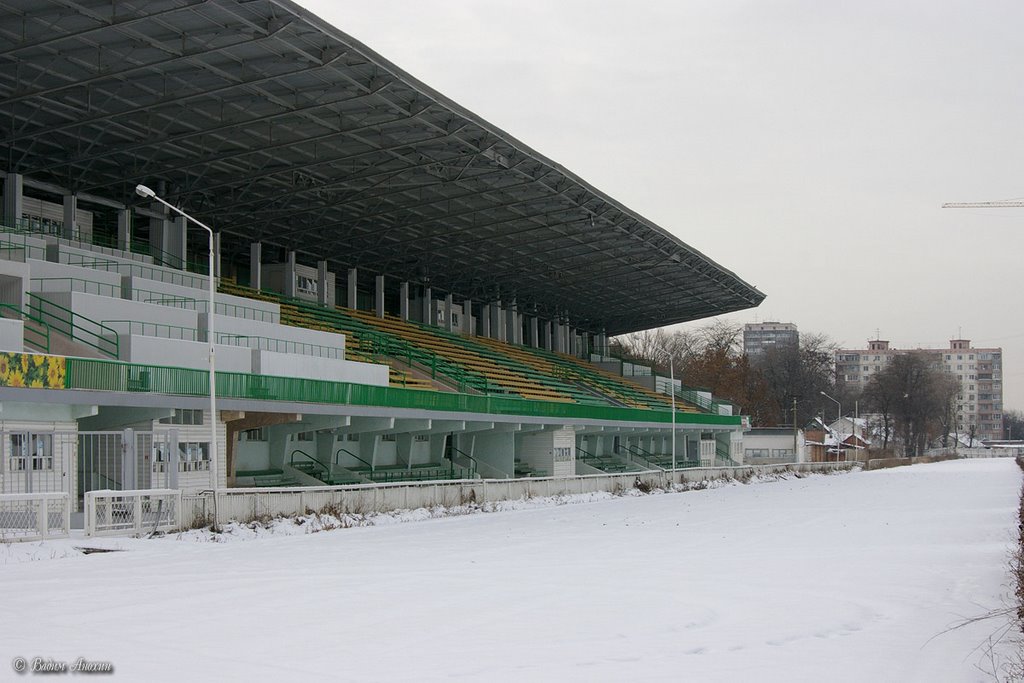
(979, 371)
(761, 337)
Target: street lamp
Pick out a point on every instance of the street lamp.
(144, 191)
(672, 386)
(838, 418)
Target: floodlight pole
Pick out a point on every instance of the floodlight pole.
(144, 191)
(672, 386)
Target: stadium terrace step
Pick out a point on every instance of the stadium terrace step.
(269, 478)
(469, 363)
(505, 371)
(524, 469)
(611, 464)
(386, 474)
(311, 316)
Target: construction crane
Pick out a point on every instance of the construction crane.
(1015, 204)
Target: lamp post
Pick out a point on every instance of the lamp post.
(144, 191)
(672, 386)
(838, 418)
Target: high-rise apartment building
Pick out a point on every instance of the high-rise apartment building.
(979, 404)
(760, 337)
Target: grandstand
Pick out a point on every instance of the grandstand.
(404, 292)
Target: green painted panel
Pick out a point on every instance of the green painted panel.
(104, 375)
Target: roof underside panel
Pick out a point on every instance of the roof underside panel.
(273, 126)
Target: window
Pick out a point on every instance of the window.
(31, 452)
(421, 437)
(389, 437)
(304, 436)
(258, 434)
(563, 454)
(306, 285)
(184, 416)
(193, 456)
(352, 437)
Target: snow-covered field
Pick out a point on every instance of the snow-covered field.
(852, 577)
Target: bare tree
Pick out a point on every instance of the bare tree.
(1013, 423)
(914, 395)
(802, 373)
(880, 398)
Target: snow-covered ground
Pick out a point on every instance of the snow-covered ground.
(852, 577)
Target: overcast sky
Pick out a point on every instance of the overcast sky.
(807, 146)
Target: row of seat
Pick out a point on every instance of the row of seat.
(418, 472)
(509, 362)
(482, 364)
(376, 344)
(608, 463)
(295, 313)
(569, 381)
(498, 375)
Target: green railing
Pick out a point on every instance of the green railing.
(40, 336)
(15, 241)
(79, 328)
(48, 227)
(695, 399)
(74, 284)
(472, 461)
(324, 470)
(350, 453)
(234, 310)
(142, 270)
(149, 296)
(643, 457)
(280, 345)
(104, 375)
(164, 258)
(55, 229)
(723, 454)
(379, 343)
(148, 329)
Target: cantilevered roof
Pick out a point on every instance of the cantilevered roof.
(274, 126)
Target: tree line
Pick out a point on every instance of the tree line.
(910, 404)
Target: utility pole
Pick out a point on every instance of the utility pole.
(796, 434)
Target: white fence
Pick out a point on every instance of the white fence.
(244, 504)
(34, 516)
(124, 513)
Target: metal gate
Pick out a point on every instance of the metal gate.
(126, 460)
(36, 461)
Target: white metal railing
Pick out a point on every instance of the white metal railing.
(244, 504)
(34, 516)
(121, 513)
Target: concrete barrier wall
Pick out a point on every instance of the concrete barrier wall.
(245, 504)
(882, 463)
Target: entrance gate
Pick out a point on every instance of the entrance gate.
(126, 460)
